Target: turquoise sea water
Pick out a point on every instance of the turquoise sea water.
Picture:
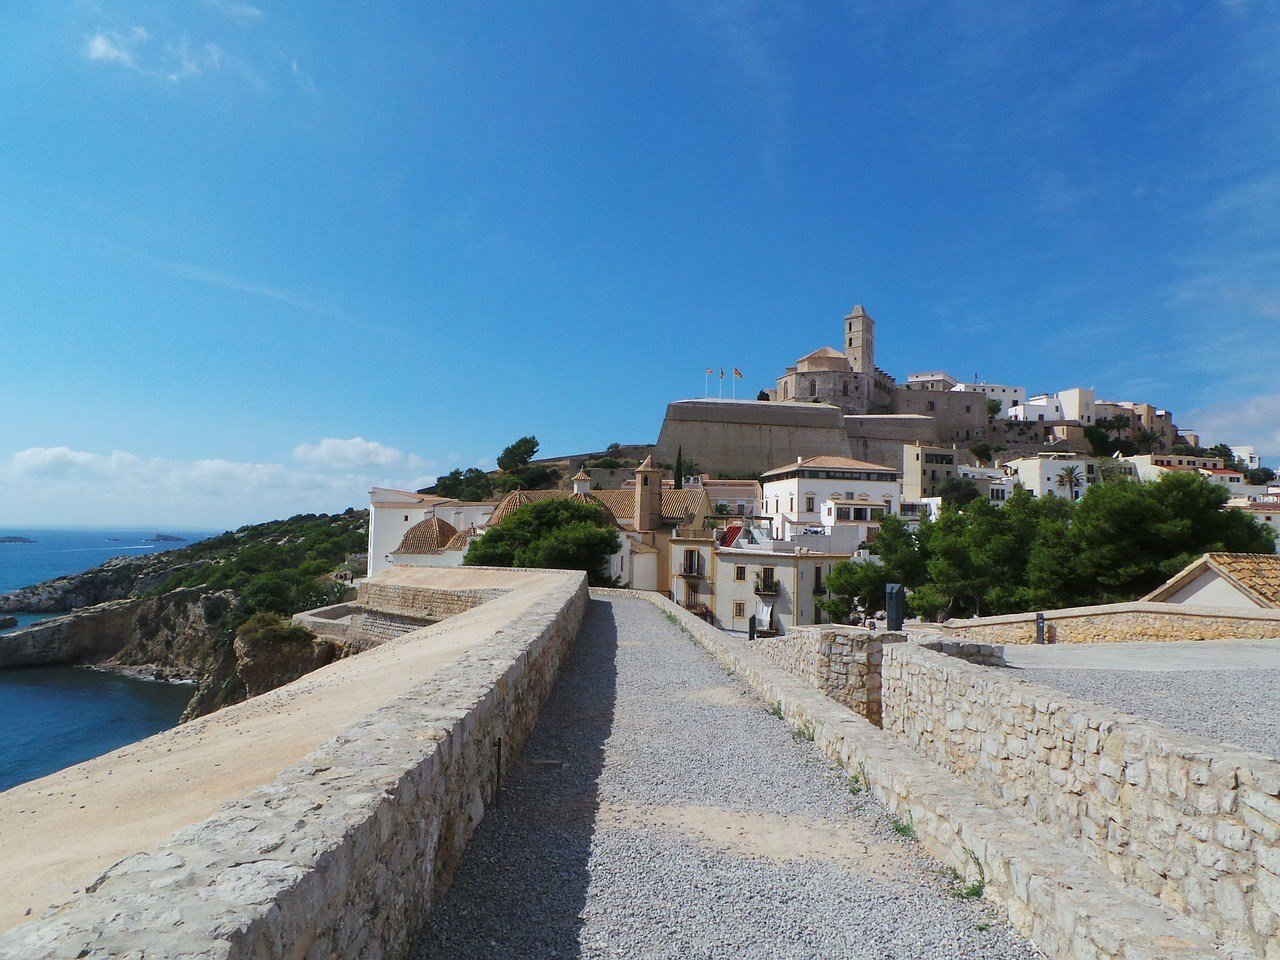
(53, 717)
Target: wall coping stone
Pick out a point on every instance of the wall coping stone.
(1069, 905)
(344, 853)
(1136, 606)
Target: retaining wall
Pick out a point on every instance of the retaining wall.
(344, 854)
(1186, 819)
(1071, 906)
(843, 662)
(1120, 622)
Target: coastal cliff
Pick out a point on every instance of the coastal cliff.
(212, 613)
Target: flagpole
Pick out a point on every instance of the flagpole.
(734, 384)
(721, 393)
(706, 384)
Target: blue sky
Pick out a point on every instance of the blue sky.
(240, 235)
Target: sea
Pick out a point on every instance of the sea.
(54, 717)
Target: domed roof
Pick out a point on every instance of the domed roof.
(426, 537)
(522, 498)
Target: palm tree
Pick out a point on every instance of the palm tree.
(1150, 440)
(1071, 480)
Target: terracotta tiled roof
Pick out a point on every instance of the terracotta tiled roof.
(1256, 575)
(830, 463)
(522, 498)
(427, 537)
(460, 540)
(581, 475)
(680, 505)
(640, 546)
(418, 500)
(823, 353)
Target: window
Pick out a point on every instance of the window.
(742, 509)
(767, 578)
(842, 513)
(740, 572)
(813, 388)
(933, 405)
(739, 608)
(406, 518)
(808, 504)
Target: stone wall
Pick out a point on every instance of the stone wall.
(1120, 622)
(344, 854)
(1071, 906)
(843, 662)
(419, 603)
(1190, 821)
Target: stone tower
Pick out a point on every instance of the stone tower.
(648, 497)
(860, 340)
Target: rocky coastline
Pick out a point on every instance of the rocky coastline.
(133, 615)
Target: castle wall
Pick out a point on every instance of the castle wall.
(958, 417)
(739, 437)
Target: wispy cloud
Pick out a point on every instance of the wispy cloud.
(1255, 421)
(160, 61)
(242, 12)
(116, 48)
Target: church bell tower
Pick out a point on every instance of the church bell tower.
(860, 340)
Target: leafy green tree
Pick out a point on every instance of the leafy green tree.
(560, 533)
(1260, 476)
(470, 485)
(901, 552)
(518, 454)
(958, 491)
(854, 584)
(994, 407)
(983, 452)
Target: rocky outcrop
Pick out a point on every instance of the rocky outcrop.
(117, 579)
(7, 622)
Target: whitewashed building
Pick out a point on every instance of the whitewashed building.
(1066, 475)
(1045, 408)
(1008, 396)
(794, 496)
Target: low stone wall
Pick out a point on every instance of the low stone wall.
(1120, 622)
(1190, 821)
(843, 662)
(1071, 906)
(419, 603)
(344, 854)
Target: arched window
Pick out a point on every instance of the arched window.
(846, 388)
(813, 387)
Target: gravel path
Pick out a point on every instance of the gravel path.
(1239, 707)
(660, 811)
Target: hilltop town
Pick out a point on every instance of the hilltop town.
(742, 509)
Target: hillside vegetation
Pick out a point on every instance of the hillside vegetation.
(281, 567)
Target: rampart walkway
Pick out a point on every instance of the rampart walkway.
(660, 811)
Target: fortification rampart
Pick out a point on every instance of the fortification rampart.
(1190, 821)
(1072, 906)
(345, 852)
(1121, 622)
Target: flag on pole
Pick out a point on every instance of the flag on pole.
(737, 373)
(710, 371)
(722, 373)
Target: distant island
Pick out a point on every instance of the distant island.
(15, 540)
(166, 538)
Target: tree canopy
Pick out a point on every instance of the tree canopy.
(471, 484)
(561, 534)
(1121, 540)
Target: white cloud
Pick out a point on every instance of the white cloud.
(58, 484)
(117, 48)
(1255, 422)
(355, 452)
(243, 12)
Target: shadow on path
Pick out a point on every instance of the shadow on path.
(522, 885)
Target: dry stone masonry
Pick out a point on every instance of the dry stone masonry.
(344, 854)
(1122, 622)
(1190, 821)
(1072, 906)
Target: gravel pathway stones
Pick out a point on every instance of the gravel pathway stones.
(659, 811)
(1238, 707)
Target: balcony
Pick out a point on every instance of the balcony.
(692, 570)
(766, 586)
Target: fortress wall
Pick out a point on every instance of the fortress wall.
(345, 852)
(1068, 902)
(1122, 623)
(747, 436)
(1189, 821)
